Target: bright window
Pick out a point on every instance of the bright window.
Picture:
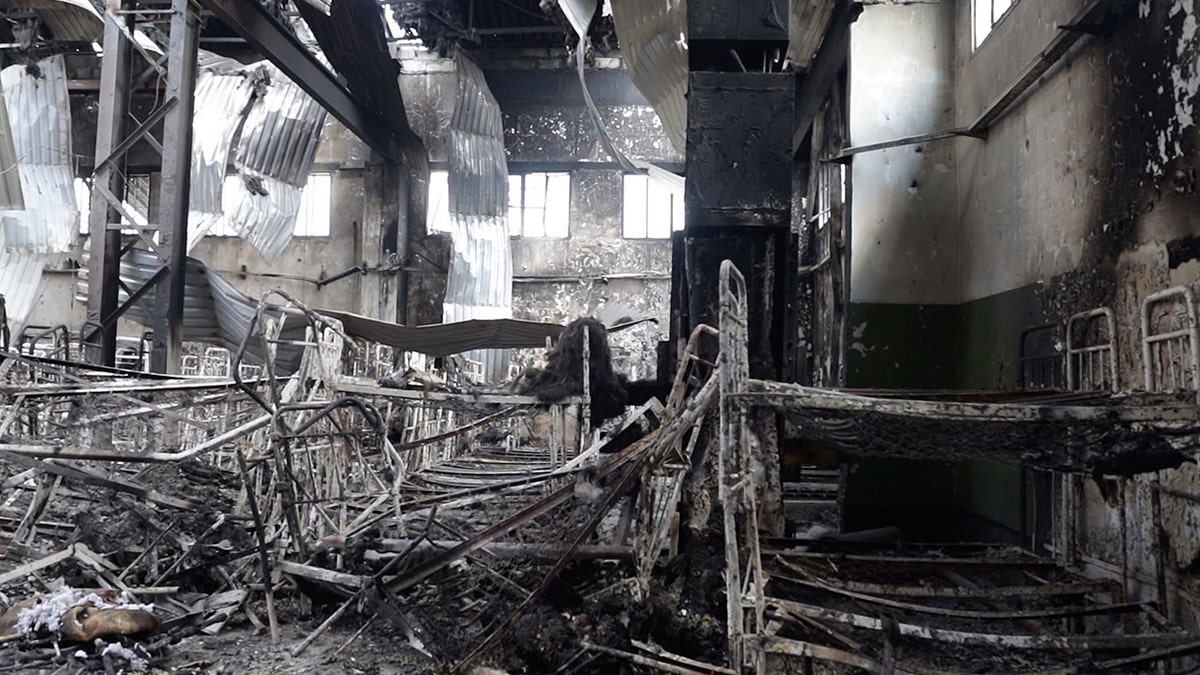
(315, 201)
(313, 218)
(988, 13)
(651, 210)
(539, 205)
(437, 212)
(137, 201)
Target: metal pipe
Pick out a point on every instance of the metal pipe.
(212, 443)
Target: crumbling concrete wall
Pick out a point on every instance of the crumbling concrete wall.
(1083, 196)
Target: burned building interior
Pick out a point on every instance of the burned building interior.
(599, 336)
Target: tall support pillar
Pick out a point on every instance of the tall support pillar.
(105, 244)
(738, 197)
(166, 353)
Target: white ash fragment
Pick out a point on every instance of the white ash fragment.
(136, 662)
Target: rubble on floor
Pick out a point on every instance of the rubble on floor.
(240, 520)
(146, 515)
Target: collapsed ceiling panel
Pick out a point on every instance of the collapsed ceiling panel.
(274, 156)
(277, 128)
(352, 37)
(39, 115)
(653, 38)
(479, 283)
(214, 311)
(67, 20)
(223, 94)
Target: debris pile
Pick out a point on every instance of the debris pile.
(583, 340)
(156, 522)
(150, 516)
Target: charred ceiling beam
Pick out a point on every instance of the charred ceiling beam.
(252, 22)
(352, 36)
(826, 65)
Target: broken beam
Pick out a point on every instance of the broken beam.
(1056, 613)
(783, 395)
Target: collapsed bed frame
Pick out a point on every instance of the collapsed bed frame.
(769, 613)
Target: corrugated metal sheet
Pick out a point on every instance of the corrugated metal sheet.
(653, 37)
(221, 104)
(280, 129)
(268, 220)
(50, 220)
(39, 116)
(21, 285)
(478, 164)
(479, 282)
(214, 311)
(579, 13)
(70, 20)
(20, 276)
(10, 180)
(282, 132)
(36, 97)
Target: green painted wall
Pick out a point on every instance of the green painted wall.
(902, 346)
(989, 339)
(975, 345)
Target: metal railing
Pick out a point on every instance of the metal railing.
(1092, 357)
(1171, 356)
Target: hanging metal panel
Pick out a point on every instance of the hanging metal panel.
(274, 156)
(282, 131)
(579, 13)
(39, 116)
(20, 285)
(479, 283)
(221, 102)
(653, 37)
(10, 179)
(267, 220)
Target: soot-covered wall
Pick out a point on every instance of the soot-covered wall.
(1082, 195)
(548, 128)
